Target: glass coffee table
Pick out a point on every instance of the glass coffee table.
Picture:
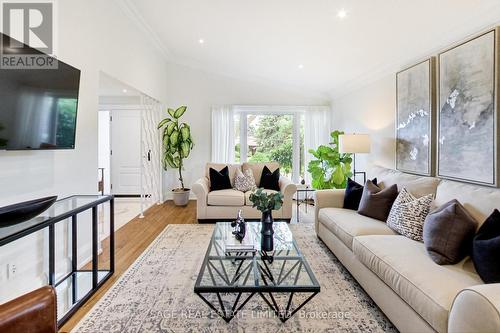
(282, 277)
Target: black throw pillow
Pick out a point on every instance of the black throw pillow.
(270, 180)
(219, 180)
(486, 249)
(353, 193)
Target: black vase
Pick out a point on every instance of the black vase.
(267, 239)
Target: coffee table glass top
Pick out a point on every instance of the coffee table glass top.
(282, 270)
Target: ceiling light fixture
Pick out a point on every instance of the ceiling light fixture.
(342, 13)
(301, 66)
(125, 91)
(201, 41)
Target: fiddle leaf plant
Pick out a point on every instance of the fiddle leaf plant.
(177, 141)
(266, 202)
(330, 168)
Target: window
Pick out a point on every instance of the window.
(271, 135)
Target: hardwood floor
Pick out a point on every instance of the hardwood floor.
(130, 241)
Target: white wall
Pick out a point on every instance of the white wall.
(200, 90)
(93, 35)
(370, 110)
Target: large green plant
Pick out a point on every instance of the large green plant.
(177, 141)
(330, 169)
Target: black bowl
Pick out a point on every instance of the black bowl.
(24, 211)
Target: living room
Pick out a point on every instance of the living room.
(131, 171)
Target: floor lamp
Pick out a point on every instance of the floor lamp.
(355, 144)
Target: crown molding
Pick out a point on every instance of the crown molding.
(135, 16)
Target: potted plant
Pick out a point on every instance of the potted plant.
(266, 203)
(330, 169)
(177, 145)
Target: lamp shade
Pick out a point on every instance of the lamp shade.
(354, 143)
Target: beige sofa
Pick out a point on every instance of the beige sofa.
(224, 204)
(416, 294)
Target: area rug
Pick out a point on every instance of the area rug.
(156, 293)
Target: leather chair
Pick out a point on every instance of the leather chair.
(34, 312)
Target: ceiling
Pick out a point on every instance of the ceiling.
(109, 86)
(303, 43)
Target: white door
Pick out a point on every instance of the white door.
(126, 152)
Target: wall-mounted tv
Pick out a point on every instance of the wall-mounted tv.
(38, 107)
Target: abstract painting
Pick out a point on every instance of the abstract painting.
(415, 88)
(467, 116)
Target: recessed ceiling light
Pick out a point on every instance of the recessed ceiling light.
(125, 91)
(300, 66)
(342, 13)
(201, 41)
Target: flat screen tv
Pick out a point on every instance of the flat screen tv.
(38, 107)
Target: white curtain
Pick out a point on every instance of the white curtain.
(223, 134)
(317, 129)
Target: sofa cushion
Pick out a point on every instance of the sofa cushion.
(228, 197)
(353, 193)
(486, 249)
(419, 186)
(376, 202)
(404, 266)
(258, 167)
(247, 196)
(347, 224)
(408, 214)
(219, 167)
(479, 201)
(448, 233)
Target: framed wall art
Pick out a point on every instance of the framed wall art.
(467, 111)
(415, 118)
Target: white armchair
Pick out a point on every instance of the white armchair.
(225, 204)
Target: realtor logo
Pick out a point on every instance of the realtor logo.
(30, 26)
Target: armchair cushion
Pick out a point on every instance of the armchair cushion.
(227, 197)
(219, 180)
(270, 180)
(258, 167)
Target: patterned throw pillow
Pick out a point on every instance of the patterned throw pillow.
(408, 214)
(244, 181)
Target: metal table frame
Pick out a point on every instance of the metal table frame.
(258, 268)
(50, 223)
(299, 201)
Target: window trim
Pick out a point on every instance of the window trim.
(295, 111)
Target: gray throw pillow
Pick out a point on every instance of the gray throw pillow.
(375, 202)
(448, 233)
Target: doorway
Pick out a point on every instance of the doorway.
(129, 148)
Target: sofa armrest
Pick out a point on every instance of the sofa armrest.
(34, 312)
(201, 188)
(327, 198)
(476, 309)
(288, 189)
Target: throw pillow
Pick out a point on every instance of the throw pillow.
(353, 193)
(270, 180)
(375, 202)
(244, 181)
(219, 180)
(448, 233)
(408, 214)
(486, 249)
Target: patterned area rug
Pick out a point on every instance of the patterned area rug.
(156, 293)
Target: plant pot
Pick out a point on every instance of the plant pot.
(181, 196)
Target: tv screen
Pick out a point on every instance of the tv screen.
(38, 107)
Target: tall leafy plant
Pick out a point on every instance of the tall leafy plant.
(330, 169)
(177, 141)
